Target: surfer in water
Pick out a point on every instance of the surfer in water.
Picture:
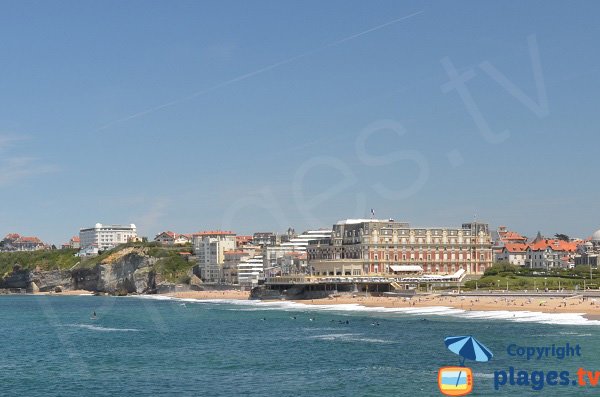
(94, 315)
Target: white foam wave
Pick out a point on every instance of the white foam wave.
(349, 338)
(103, 329)
(516, 316)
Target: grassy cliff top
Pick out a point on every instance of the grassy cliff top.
(45, 260)
(173, 266)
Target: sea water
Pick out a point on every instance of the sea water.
(53, 346)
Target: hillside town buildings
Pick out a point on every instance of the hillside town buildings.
(540, 253)
(352, 247)
(74, 243)
(274, 254)
(16, 242)
(169, 238)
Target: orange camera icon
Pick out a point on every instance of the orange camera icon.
(455, 381)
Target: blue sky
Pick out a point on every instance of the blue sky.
(193, 115)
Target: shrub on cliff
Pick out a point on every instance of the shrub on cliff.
(43, 259)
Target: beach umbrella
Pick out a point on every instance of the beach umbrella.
(467, 347)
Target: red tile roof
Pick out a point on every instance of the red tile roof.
(511, 236)
(542, 245)
(555, 245)
(168, 233)
(515, 247)
(30, 240)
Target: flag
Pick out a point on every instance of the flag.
(372, 212)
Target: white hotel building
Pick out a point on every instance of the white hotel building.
(102, 237)
(210, 248)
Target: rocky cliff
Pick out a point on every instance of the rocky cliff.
(37, 280)
(129, 270)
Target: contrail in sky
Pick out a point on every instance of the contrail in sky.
(256, 72)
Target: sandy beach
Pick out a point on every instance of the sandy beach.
(590, 307)
(204, 295)
(74, 292)
(544, 304)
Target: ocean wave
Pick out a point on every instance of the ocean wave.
(103, 329)
(349, 338)
(516, 316)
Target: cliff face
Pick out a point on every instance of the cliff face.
(127, 271)
(49, 280)
(37, 280)
(131, 273)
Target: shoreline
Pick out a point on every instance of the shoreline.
(588, 308)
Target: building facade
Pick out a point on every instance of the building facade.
(232, 259)
(273, 255)
(513, 253)
(543, 253)
(210, 248)
(103, 237)
(588, 252)
(250, 272)
(264, 239)
(377, 245)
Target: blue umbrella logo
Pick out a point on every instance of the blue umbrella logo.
(467, 347)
